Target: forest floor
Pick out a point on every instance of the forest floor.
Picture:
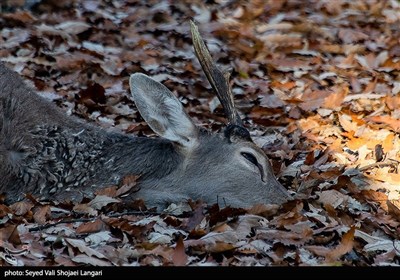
(316, 82)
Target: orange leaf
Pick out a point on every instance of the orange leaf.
(179, 257)
(393, 123)
(91, 227)
(347, 124)
(345, 246)
(387, 144)
(393, 102)
(355, 143)
(379, 197)
(334, 100)
(284, 86)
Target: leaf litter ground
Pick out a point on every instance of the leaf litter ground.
(318, 86)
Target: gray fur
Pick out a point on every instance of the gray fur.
(54, 156)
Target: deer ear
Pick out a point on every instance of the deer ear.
(162, 111)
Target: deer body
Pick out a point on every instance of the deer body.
(54, 156)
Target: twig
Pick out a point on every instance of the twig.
(83, 220)
(42, 227)
(377, 164)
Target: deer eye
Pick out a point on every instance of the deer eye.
(250, 158)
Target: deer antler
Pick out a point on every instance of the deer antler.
(218, 80)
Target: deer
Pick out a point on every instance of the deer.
(53, 156)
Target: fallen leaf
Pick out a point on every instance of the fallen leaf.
(393, 207)
(92, 227)
(83, 248)
(350, 36)
(128, 185)
(333, 198)
(388, 120)
(345, 246)
(4, 210)
(99, 238)
(110, 191)
(21, 208)
(179, 257)
(334, 100)
(42, 214)
(10, 234)
(286, 237)
(347, 123)
(100, 201)
(264, 210)
(84, 209)
(383, 245)
(73, 27)
(90, 260)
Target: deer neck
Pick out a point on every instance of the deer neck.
(147, 157)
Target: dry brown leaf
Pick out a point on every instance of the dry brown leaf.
(347, 123)
(293, 216)
(110, 191)
(4, 210)
(286, 237)
(10, 234)
(393, 206)
(101, 200)
(392, 102)
(179, 257)
(383, 174)
(63, 260)
(289, 64)
(350, 36)
(383, 245)
(332, 197)
(89, 260)
(128, 185)
(379, 197)
(84, 209)
(264, 210)
(83, 248)
(20, 208)
(318, 250)
(220, 246)
(270, 101)
(335, 100)
(388, 120)
(42, 214)
(345, 246)
(283, 85)
(24, 17)
(91, 227)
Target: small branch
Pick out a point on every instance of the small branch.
(42, 227)
(84, 220)
(378, 164)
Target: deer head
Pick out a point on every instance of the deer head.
(225, 167)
